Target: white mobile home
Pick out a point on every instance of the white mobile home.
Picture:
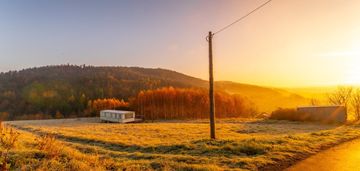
(119, 116)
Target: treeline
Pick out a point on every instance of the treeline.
(65, 91)
(189, 103)
(162, 103)
(346, 96)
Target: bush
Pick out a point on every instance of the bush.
(48, 143)
(8, 139)
(288, 114)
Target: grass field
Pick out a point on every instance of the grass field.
(183, 145)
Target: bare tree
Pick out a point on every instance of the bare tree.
(355, 103)
(341, 96)
(314, 102)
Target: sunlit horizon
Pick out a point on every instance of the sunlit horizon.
(179, 85)
(286, 44)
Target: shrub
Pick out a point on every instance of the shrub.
(8, 139)
(288, 114)
(50, 145)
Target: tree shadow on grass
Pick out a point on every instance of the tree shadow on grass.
(204, 147)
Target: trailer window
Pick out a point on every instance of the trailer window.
(128, 115)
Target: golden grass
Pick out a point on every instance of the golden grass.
(241, 144)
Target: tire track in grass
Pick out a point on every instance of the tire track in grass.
(129, 152)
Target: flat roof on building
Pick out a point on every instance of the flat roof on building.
(320, 106)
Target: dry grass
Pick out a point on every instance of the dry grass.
(241, 144)
(8, 140)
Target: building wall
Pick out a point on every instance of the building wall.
(324, 113)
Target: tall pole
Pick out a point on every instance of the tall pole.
(211, 89)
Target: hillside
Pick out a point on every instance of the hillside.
(319, 93)
(265, 98)
(68, 88)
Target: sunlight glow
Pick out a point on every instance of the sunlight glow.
(344, 65)
(352, 74)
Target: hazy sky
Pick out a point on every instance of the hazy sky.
(287, 43)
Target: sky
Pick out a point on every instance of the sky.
(288, 43)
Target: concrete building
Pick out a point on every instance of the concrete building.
(324, 113)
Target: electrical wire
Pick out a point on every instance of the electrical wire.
(243, 17)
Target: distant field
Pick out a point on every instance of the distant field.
(87, 144)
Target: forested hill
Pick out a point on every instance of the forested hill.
(96, 82)
(265, 98)
(68, 88)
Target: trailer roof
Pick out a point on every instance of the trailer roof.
(117, 111)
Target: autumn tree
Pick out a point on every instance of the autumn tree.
(341, 96)
(4, 116)
(355, 103)
(188, 103)
(314, 102)
(58, 115)
(95, 106)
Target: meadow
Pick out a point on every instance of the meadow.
(251, 144)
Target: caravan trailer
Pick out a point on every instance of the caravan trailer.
(118, 116)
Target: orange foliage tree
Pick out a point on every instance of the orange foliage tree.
(188, 103)
(94, 106)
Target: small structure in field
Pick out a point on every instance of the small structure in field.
(119, 116)
(324, 113)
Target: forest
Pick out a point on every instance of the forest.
(64, 91)
(189, 103)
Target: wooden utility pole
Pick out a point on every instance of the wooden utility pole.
(211, 89)
(211, 76)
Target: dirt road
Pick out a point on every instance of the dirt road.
(345, 157)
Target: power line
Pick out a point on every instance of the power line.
(243, 17)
